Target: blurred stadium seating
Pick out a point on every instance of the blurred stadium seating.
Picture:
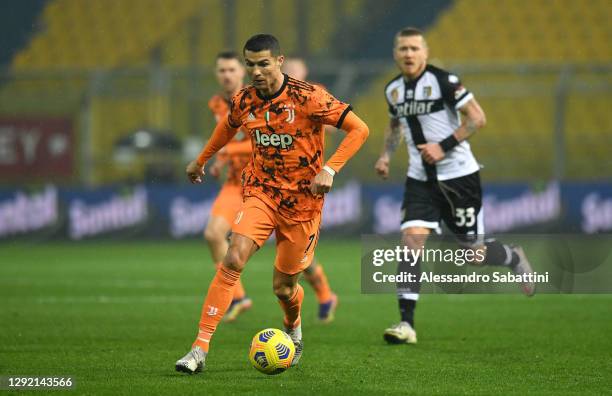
(540, 71)
(90, 61)
(491, 44)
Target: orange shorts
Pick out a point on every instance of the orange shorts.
(295, 240)
(227, 203)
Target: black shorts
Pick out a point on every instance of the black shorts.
(456, 201)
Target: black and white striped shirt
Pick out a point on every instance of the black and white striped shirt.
(427, 109)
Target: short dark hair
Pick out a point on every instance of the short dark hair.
(262, 42)
(228, 55)
(409, 32)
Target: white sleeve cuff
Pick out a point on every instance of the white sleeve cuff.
(329, 170)
(463, 101)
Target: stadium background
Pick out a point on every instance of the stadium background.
(103, 102)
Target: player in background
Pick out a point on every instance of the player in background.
(314, 274)
(229, 72)
(296, 68)
(283, 185)
(443, 181)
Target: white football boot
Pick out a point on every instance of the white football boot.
(296, 337)
(401, 333)
(192, 362)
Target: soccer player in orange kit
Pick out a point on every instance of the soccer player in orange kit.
(283, 185)
(236, 155)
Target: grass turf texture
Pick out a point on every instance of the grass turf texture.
(116, 316)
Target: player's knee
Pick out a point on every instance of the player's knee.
(235, 259)
(415, 237)
(311, 268)
(284, 291)
(211, 235)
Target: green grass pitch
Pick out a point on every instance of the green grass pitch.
(116, 316)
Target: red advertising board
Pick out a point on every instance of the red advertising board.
(36, 147)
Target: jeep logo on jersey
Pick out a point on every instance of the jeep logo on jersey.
(282, 140)
(414, 107)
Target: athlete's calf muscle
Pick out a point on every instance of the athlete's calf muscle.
(479, 254)
(415, 237)
(284, 284)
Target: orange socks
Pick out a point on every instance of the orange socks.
(319, 283)
(239, 292)
(218, 299)
(292, 308)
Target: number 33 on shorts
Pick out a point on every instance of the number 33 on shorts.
(466, 217)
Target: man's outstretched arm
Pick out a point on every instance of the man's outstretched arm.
(222, 134)
(242, 147)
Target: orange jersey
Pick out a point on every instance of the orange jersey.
(287, 137)
(237, 152)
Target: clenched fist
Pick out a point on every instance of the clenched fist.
(322, 183)
(194, 172)
(431, 152)
(382, 167)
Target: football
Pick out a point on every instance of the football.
(271, 351)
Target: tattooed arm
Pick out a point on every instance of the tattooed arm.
(473, 119)
(393, 136)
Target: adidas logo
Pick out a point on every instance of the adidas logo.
(251, 117)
